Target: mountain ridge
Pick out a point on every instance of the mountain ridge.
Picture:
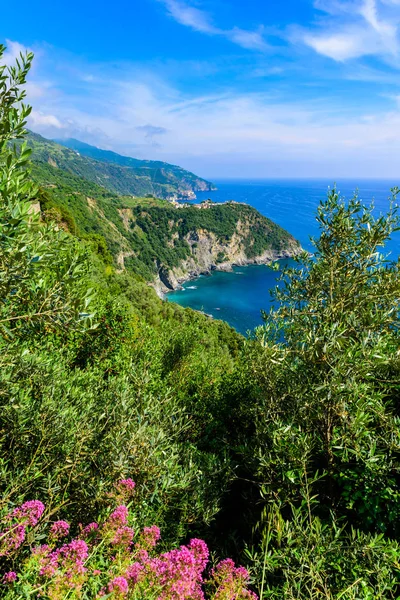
(129, 176)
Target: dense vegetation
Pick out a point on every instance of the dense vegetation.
(282, 450)
(118, 174)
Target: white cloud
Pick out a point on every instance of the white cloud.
(35, 87)
(385, 29)
(190, 16)
(200, 20)
(252, 40)
(354, 29)
(13, 51)
(40, 120)
(340, 46)
(204, 132)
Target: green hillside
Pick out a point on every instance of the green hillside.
(158, 172)
(159, 179)
(152, 233)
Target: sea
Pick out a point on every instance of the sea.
(240, 296)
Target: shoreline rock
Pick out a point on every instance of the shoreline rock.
(170, 280)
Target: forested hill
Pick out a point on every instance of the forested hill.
(162, 243)
(158, 171)
(118, 174)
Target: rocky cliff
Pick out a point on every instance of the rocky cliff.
(208, 253)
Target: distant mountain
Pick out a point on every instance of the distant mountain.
(155, 172)
(118, 174)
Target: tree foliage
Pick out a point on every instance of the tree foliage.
(327, 435)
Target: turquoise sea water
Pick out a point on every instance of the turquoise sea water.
(239, 297)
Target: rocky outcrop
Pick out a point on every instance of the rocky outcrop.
(208, 253)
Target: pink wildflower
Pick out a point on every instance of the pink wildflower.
(118, 585)
(48, 560)
(150, 536)
(89, 529)
(75, 553)
(59, 529)
(119, 517)
(9, 577)
(29, 513)
(178, 572)
(70, 557)
(200, 551)
(133, 572)
(96, 572)
(126, 484)
(11, 539)
(231, 581)
(125, 490)
(123, 536)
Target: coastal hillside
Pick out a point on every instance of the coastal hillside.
(164, 243)
(159, 172)
(118, 174)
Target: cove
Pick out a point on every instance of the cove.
(236, 297)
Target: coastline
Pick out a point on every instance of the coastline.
(173, 280)
(236, 297)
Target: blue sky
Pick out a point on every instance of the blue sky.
(226, 88)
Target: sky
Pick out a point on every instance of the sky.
(225, 88)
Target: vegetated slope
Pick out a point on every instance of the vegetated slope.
(158, 171)
(154, 239)
(160, 179)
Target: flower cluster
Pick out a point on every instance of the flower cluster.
(59, 529)
(113, 561)
(123, 536)
(89, 529)
(126, 485)
(119, 586)
(26, 515)
(177, 573)
(70, 558)
(118, 517)
(148, 538)
(231, 581)
(9, 577)
(11, 539)
(124, 490)
(29, 513)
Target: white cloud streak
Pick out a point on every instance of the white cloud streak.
(199, 20)
(39, 120)
(354, 29)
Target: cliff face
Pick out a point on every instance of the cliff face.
(209, 253)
